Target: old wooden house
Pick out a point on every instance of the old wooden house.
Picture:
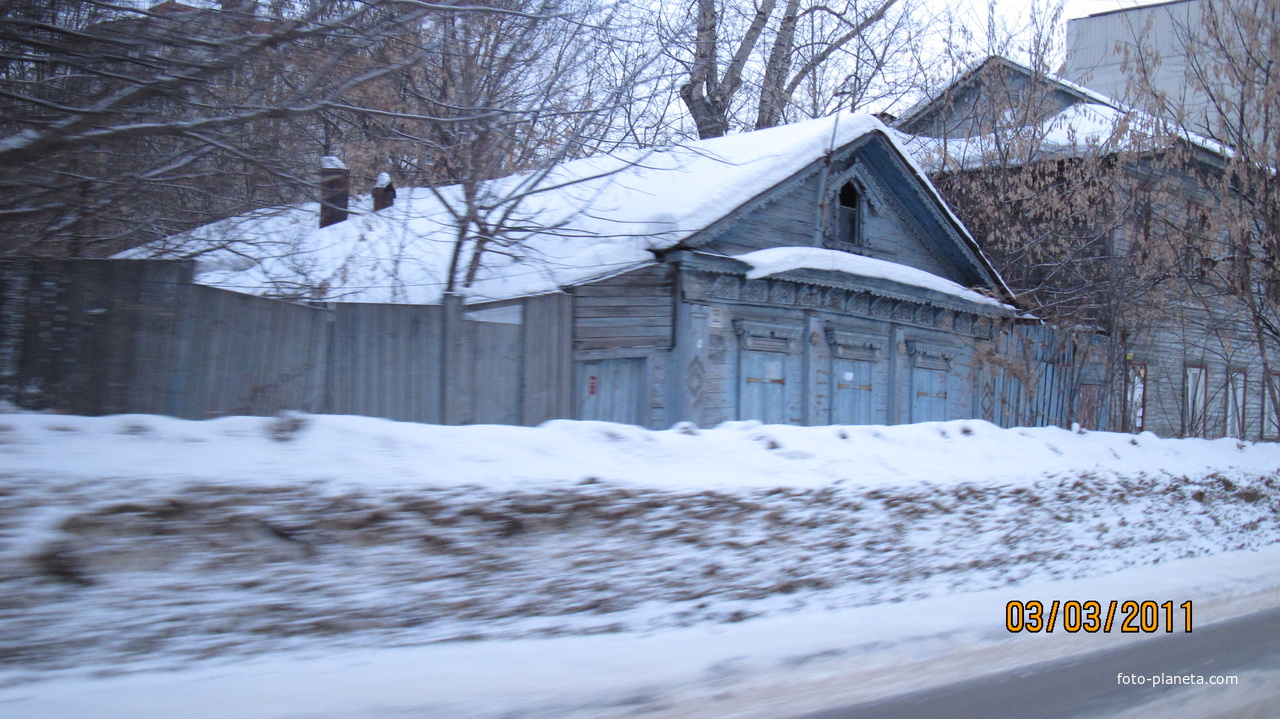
(807, 274)
(1180, 306)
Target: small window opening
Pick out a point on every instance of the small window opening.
(847, 215)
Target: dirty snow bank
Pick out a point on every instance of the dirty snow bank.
(363, 452)
(139, 541)
(778, 666)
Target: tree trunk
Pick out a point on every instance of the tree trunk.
(773, 95)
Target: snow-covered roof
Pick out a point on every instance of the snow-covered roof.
(1080, 91)
(1080, 130)
(1097, 125)
(582, 220)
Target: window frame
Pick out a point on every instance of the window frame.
(1135, 422)
(1193, 425)
(848, 223)
(1237, 399)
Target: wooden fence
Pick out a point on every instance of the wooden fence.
(112, 336)
(117, 336)
(1040, 375)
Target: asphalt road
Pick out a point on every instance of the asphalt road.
(1087, 686)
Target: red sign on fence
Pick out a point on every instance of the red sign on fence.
(591, 384)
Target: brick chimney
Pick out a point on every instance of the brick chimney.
(335, 187)
(384, 193)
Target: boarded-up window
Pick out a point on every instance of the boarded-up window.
(1136, 398)
(859, 394)
(1236, 420)
(931, 368)
(766, 367)
(1195, 401)
(929, 395)
(854, 398)
(764, 391)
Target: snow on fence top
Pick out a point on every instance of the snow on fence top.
(581, 220)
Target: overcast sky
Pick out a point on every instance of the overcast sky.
(1015, 15)
(1080, 8)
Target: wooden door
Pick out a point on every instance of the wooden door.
(612, 390)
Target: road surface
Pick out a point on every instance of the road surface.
(1087, 686)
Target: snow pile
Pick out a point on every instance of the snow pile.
(148, 539)
(1081, 130)
(358, 452)
(783, 259)
(583, 219)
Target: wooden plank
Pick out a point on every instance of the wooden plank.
(656, 276)
(611, 291)
(547, 391)
(595, 301)
(625, 311)
(457, 365)
(593, 343)
(589, 325)
(619, 331)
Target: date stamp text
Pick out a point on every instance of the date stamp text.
(1129, 617)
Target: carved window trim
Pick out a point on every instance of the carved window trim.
(837, 236)
(929, 355)
(760, 336)
(855, 345)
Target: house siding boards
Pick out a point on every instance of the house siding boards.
(622, 331)
(1210, 338)
(630, 310)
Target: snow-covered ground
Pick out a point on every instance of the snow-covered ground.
(346, 566)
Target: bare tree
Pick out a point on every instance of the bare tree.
(510, 93)
(121, 126)
(739, 63)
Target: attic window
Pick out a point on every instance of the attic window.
(848, 220)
